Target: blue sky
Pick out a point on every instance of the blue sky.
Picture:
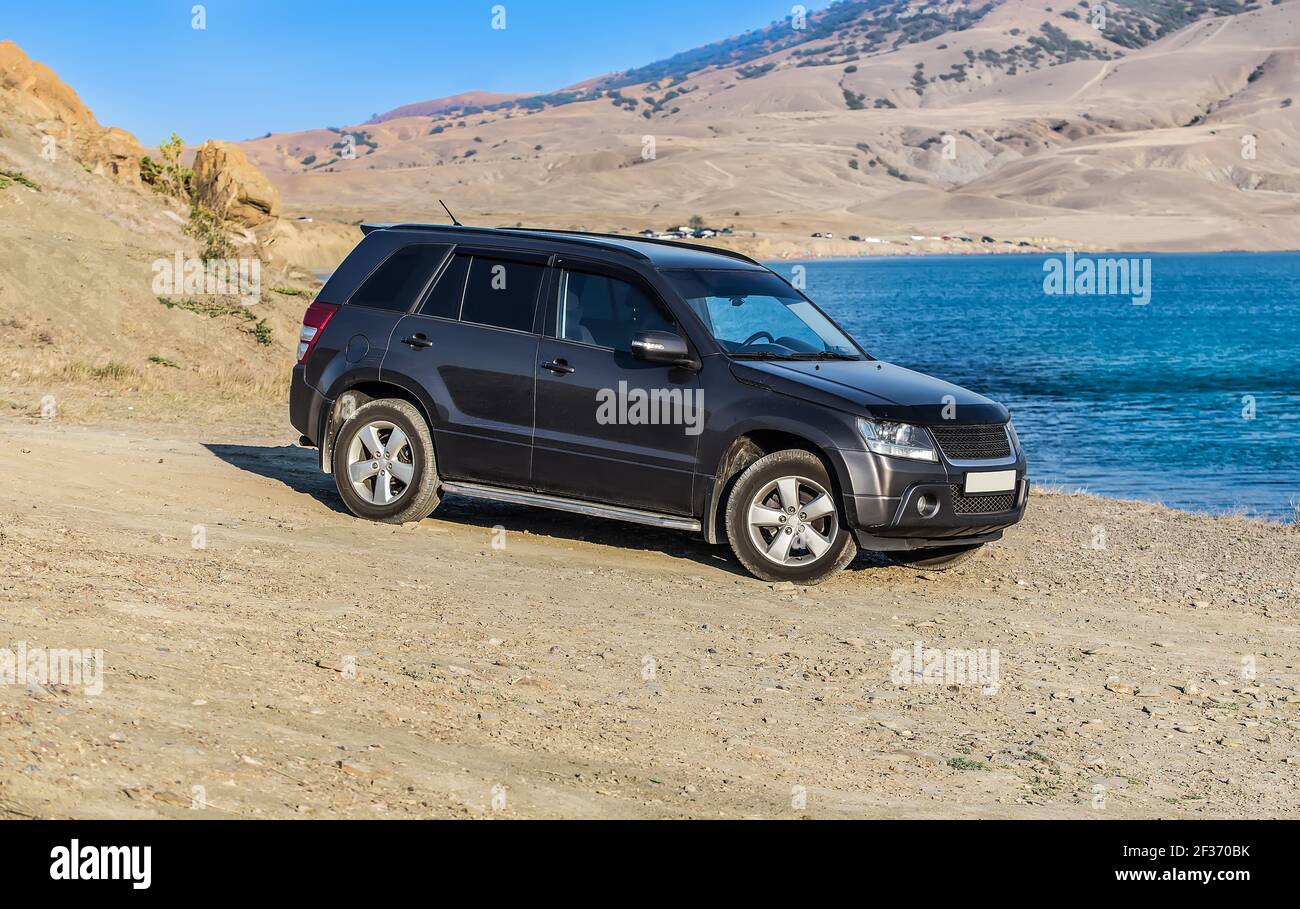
(273, 65)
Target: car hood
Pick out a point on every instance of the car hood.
(883, 390)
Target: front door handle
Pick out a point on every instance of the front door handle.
(559, 366)
(419, 342)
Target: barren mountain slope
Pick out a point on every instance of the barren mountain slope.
(1018, 119)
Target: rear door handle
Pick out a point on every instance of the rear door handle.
(559, 366)
(419, 342)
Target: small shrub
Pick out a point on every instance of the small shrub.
(209, 230)
(293, 291)
(261, 332)
(169, 177)
(961, 763)
(163, 361)
(113, 370)
(8, 176)
(753, 72)
(210, 308)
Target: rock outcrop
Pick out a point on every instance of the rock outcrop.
(227, 183)
(32, 92)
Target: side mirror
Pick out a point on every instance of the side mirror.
(662, 347)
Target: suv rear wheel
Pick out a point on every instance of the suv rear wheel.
(783, 521)
(384, 466)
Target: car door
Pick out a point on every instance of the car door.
(611, 428)
(362, 328)
(470, 352)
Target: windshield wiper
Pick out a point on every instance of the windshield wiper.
(762, 355)
(825, 355)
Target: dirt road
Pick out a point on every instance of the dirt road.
(299, 662)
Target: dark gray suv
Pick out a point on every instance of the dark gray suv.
(654, 382)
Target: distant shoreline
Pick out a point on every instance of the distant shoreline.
(1053, 252)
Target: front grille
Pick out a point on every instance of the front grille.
(982, 442)
(992, 504)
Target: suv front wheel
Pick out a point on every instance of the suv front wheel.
(384, 466)
(783, 521)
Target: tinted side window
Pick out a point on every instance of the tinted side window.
(395, 284)
(604, 311)
(444, 299)
(501, 293)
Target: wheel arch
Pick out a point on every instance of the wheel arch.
(748, 447)
(353, 396)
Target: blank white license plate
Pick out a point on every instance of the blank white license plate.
(992, 481)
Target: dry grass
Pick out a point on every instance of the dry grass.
(112, 371)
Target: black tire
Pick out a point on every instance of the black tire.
(940, 559)
(745, 539)
(413, 501)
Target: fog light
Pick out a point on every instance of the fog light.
(927, 506)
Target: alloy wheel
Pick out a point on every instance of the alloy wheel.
(381, 463)
(793, 521)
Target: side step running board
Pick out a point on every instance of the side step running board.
(614, 512)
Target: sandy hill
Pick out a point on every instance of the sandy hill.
(1168, 125)
(449, 104)
(80, 317)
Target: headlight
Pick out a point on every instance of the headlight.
(1015, 437)
(901, 440)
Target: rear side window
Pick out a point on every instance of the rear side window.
(501, 293)
(444, 299)
(396, 283)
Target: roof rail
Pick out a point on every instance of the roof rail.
(729, 253)
(452, 228)
(591, 238)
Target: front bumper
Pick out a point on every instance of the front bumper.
(882, 506)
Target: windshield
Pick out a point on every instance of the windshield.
(756, 314)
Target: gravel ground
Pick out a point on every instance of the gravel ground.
(1125, 660)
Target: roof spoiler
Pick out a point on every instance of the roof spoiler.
(367, 229)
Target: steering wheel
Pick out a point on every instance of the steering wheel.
(759, 334)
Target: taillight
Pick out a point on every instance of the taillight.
(313, 323)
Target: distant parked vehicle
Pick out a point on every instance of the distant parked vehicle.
(660, 383)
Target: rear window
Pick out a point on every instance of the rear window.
(501, 293)
(404, 274)
(444, 300)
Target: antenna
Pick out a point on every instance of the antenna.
(449, 214)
